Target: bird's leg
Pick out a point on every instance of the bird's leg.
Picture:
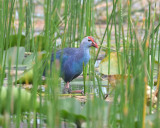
(67, 85)
(66, 89)
(70, 91)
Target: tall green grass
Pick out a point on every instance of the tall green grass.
(71, 21)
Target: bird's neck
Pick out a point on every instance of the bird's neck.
(86, 54)
(85, 50)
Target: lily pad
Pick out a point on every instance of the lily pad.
(103, 66)
(11, 55)
(96, 109)
(71, 109)
(18, 96)
(26, 77)
(28, 61)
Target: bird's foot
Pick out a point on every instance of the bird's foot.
(78, 91)
(67, 91)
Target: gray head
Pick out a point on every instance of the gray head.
(88, 42)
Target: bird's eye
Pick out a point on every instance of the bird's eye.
(89, 40)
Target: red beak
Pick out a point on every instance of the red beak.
(94, 44)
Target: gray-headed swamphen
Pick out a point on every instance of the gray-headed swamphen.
(72, 59)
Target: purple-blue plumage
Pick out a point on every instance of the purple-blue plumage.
(72, 59)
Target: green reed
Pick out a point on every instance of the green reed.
(71, 21)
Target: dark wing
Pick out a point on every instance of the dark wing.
(65, 53)
(61, 56)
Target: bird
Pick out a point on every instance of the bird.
(72, 60)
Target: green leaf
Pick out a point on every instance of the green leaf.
(103, 66)
(28, 61)
(26, 77)
(96, 109)
(71, 109)
(18, 96)
(11, 55)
